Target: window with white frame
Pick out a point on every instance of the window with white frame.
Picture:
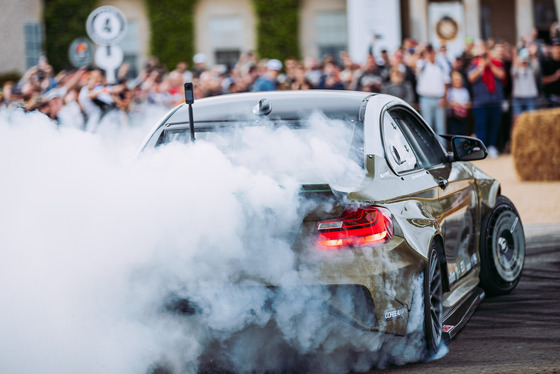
(226, 36)
(131, 48)
(33, 42)
(331, 31)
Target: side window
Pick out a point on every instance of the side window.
(398, 151)
(426, 145)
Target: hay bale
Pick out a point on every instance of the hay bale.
(536, 145)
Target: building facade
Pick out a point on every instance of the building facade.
(22, 34)
(226, 28)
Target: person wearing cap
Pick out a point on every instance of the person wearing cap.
(199, 64)
(269, 80)
(524, 74)
(370, 77)
(330, 80)
(551, 75)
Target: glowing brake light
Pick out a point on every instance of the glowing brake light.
(359, 227)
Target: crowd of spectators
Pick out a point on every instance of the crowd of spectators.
(480, 92)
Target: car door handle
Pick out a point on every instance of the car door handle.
(442, 183)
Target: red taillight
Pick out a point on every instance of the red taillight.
(357, 227)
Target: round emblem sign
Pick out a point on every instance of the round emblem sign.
(80, 52)
(106, 25)
(447, 28)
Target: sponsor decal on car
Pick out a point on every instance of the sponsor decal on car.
(447, 328)
(391, 315)
(452, 277)
(474, 259)
(451, 268)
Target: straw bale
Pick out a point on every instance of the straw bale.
(536, 145)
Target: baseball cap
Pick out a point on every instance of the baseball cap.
(199, 58)
(274, 64)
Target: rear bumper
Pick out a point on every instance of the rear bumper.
(351, 304)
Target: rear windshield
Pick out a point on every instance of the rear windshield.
(305, 147)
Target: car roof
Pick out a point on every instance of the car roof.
(284, 104)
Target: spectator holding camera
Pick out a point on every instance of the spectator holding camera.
(524, 74)
(486, 76)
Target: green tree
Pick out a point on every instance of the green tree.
(64, 20)
(172, 30)
(277, 28)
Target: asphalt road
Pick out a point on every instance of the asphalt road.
(517, 333)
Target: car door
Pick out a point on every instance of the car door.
(415, 193)
(456, 194)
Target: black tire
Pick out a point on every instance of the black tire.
(502, 249)
(433, 302)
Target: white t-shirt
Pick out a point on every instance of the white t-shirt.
(431, 79)
(71, 116)
(458, 95)
(524, 82)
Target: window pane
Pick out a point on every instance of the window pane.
(398, 151)
(33, 41)
(427, 146)
(545, 16)
(227, 57)
(331, 28)
(226, 32)
(131, 49)
(129, 44)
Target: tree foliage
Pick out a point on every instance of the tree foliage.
(65, 20)
(172, 30)
(172, 25)
(277, 28)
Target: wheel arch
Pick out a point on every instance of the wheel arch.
(490, 278)
(438, 241)
(488, 193)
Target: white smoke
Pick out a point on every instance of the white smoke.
(94, 241)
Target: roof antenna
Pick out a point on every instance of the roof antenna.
(189, 99)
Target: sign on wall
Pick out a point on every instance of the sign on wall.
(447, 26)
(80, 52)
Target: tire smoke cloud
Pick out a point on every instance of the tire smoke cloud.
(95, 241)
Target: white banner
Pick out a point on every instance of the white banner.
(374, 23)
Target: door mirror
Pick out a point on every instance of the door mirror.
(466, 148)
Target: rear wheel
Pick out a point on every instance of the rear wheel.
(433, 301)
(502, 249)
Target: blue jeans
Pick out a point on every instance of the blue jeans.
(487, 123)
(522, 104)
(433, 113)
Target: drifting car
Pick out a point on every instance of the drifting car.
(419, 209)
